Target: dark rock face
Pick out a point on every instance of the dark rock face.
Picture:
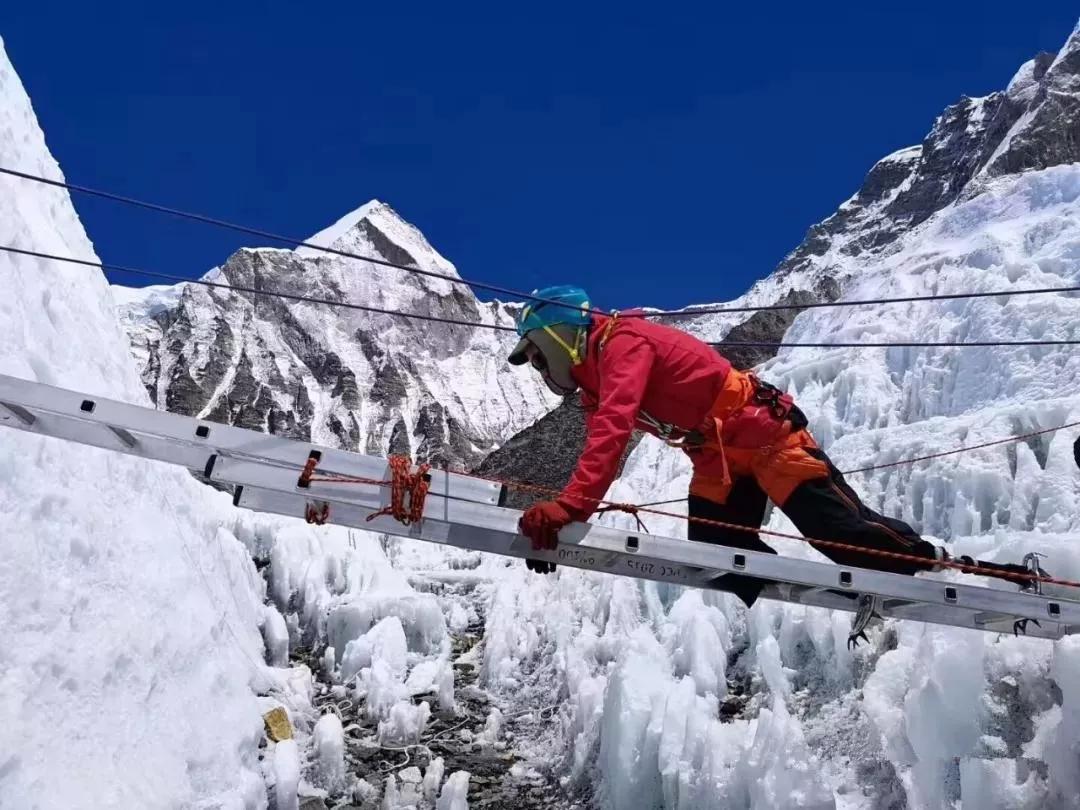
(1051, 135)
(767, 326)
(386, 248)
(544, 454)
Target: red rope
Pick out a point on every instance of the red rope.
(835, 544)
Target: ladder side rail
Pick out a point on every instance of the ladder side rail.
(149, 446)
(618, 562)
(189, 441)
(172, 438)
(681, 553)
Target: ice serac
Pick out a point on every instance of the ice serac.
(354, 379)
(130, 612)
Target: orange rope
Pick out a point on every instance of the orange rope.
(404, 481)
(835, 544)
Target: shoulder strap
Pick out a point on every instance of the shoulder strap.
(608, 327)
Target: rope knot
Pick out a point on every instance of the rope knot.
(406, 483)
(629, 509)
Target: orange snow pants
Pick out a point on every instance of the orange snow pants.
(733, 484)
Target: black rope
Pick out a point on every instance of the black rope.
(899, 344)
(288, 240)
(908, 299)
(479, 285)
(496, 327)
(270, 293)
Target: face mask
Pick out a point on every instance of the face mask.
(553, 362)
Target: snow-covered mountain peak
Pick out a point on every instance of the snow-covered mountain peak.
(375, 229)
(328, 236)
(1023, 85)
(337, 235)
(357, 379)
(1038, 119)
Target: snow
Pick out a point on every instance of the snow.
(286, 775)
(332, 234)
(1023, 85)
(275, 637)
(404, 723)
(130, 609)
(328, 746)
(455, 792)
(142, 302)
(433, 777)
(492, 728)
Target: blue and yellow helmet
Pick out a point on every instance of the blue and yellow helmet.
(565, 304)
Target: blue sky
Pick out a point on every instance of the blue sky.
(660, 154)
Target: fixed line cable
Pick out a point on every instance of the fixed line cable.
(498, 327)
(691, 312)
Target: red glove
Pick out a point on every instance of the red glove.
(541, 523)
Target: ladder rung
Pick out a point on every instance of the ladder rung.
(123, 436)
(21, 413)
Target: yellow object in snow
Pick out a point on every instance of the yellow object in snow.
(278, 727)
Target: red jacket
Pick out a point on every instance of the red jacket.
(643, 366)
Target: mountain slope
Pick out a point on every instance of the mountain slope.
(352, 379)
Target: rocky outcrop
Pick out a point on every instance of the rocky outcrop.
(1033, 124)
(542, 455)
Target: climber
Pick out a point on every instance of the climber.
(747, 440)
